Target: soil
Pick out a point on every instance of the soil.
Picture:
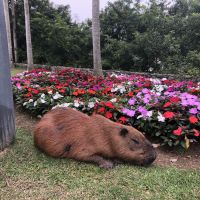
(175, 157)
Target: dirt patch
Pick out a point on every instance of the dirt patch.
(180, 158)
(176, 157)
(24, 120)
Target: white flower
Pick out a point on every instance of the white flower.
(25, 103)
(113, 75)
(130, 82)
(35, 103)
(160, 117)
(30, 100)
(114, 89)
(42, 101)
(76, 104)
(150, 113)
(150, 69)
(91, 104)
(57, 96)
(122, 89)
(50, 92)
(65, 105)
(42, 96)
(113, 100)
(140, 116)
(155, 80)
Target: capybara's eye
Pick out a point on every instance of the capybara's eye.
(135, 141)
(123, 132)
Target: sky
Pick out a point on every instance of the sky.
(80, 9)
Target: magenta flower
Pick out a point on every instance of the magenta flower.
(131, 101)
(145, 91)
(193, 111)
(128, 112)
(131, 113)
(143, 111)
(18, 85)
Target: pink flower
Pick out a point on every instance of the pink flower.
(196, 133)
(168, 115)
(177, 131)
(193, 119)
(18, 85)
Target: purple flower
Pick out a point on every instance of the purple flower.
(125, 110)
(131, 101)
(128, 112)
(193, 111)
(131, 113)
(96, 87)
(146, 100)
(143, 111)
(145, 91)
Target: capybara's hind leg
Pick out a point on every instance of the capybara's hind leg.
(100, 161)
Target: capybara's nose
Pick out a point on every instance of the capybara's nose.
(150, 158)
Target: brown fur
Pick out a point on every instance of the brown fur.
(65, 132)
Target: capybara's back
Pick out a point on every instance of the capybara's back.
(65, 132)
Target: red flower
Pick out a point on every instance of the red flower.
(174, 99)
(196, 133)
(177, 131)
(130, 94)
(168, 115)
(101, 110)
(75, 93)
(192, 90)
(91, 91)
(193, 119)
(81, 91)
(147, 85)
(108, 115)
(167, 104)
(34, 91)
(62, 91)
(109, 105)
(58, 86)
(28, 94)
(122, 119)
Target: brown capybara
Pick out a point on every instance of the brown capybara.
(67, 133)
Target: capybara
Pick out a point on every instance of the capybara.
(68, 133)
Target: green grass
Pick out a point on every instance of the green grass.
(26, 173)
(17, 70)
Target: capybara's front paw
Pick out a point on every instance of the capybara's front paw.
(106, 165)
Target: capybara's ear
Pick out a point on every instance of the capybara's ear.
(123, 132)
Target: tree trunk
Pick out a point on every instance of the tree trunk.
(7, 124)
(14, 31)
(28, 35)
(7, 20)
(96, 38)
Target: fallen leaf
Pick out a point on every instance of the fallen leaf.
(173, 160)
(156, 145)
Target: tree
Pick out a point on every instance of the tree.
(96, 38)
(7, 125)
(7, 19)
(28, 35)
(14, 31)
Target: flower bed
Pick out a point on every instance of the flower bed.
(162, 108)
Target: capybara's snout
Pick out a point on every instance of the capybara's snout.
(150, 154)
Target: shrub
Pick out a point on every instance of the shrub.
(167, 109)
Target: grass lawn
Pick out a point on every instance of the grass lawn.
(17, 70)
(26, 173)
